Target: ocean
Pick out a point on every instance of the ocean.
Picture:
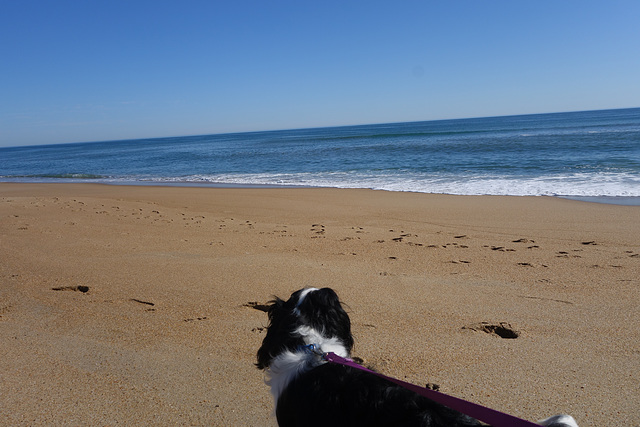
(592, 155)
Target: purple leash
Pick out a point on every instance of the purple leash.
(487, 415)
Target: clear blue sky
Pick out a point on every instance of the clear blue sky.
(90, 70)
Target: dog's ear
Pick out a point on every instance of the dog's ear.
(275, 313)
(275, 308)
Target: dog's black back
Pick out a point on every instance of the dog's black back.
(337, 395)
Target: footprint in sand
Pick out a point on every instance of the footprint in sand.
(142, 302)
(523, 240)
(318, 229)
(501, 329)
(195, 319)
(502, 249)
(525, 264)
(139, 301)
(79, 288)
(455, 245)
(565, 254)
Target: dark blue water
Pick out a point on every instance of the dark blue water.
(587, 154)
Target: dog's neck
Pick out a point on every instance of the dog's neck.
(285, 367)
(312, 336)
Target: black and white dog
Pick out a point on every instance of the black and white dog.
(311, 392)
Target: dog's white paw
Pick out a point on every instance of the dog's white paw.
(559, 421)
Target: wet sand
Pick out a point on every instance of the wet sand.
(140, 305)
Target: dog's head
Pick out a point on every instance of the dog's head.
(309, 316)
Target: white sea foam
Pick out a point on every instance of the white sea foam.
(579, 184)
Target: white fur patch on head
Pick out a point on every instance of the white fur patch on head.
(301, 298)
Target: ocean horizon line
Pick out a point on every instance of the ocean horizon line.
(311, 128)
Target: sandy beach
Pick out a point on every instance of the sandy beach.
(139, 305)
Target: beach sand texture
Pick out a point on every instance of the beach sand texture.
(138, 305)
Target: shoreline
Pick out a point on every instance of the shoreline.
(609, 200)
(612, 200)
(147, 298)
